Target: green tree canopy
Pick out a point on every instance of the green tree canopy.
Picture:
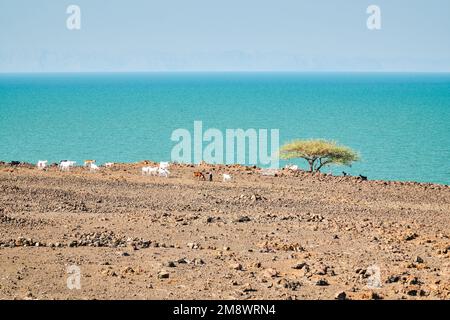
(319, 153)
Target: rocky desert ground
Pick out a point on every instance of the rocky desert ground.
(290, 236)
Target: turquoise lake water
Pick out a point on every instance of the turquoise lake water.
(399, 123)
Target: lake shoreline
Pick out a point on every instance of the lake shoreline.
(223, 167)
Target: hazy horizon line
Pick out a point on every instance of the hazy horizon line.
(227, 71)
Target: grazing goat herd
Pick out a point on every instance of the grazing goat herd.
(65, 165)
(162, 170)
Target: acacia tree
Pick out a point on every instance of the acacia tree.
(319, 153)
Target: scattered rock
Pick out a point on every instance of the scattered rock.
(270, 273)
(243, 219)
(255, 197)
(299, 266)
(109, 272)
(183, 260)
(418, 260)
(236, 266)
(321, 270)
(170, 264)
(322, 282)
(193, 245)
(360, 271)
(163, 274)
(198, 261)
(410, 236)
(316, 218)
(412, 292)
(393, 278)
(289, 284)
(73, 243)
(375, 296)
(127, 270)
(341, 295)
(248, 288)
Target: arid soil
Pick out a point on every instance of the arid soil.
(293, 236)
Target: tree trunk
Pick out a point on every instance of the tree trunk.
(311, 165)
(320, 165)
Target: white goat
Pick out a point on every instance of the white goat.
(41, 164)
(145, 170)
(292, 167)
(164, 165)
(226, 177)
(93, 167)
(108, 164)
(152, 171)
(163, 172)
(66, 165)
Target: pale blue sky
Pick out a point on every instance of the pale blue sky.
(226, 35)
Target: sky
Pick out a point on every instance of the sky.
(227, 35)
